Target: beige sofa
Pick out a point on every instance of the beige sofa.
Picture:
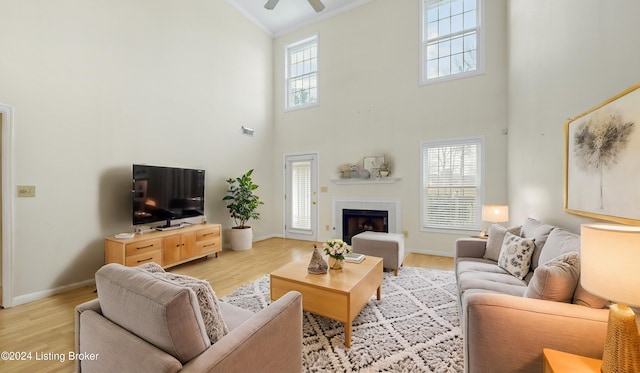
(143, 323)
(507, 321)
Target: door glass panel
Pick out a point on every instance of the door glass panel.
(301, 195)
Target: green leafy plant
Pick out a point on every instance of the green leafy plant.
(243, 203)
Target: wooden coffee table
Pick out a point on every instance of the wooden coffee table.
(337, 294)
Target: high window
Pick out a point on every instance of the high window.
(451, 40)
(302, 73)
(452, 184)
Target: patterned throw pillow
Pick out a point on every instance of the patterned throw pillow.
(515, 255)
(207, 300)
(151, 267)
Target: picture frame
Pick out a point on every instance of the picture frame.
(602, 160)
(372, 164)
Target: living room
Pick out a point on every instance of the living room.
(93, 89)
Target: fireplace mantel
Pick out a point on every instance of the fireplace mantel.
(375, 180)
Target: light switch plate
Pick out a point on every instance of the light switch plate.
(26, 190)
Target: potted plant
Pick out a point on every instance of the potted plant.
(242, 207)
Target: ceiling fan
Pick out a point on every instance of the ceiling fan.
(316, 4)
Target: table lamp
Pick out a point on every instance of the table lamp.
(610, 262)
(494, 214)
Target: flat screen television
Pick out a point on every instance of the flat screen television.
(163, 194)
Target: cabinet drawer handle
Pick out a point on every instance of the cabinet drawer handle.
(207, 234)
(145, 260)
(211, 244)
(144, 247)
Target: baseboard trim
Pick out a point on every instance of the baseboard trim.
(227, 246)
(27, 298)
(429, 252)
(262, 238)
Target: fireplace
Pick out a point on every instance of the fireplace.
(358, 221)
(389, 222)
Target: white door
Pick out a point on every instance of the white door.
(301, 196)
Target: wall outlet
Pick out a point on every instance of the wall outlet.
(405, 233)
(324, 189)
(26, 191)
(326, 227)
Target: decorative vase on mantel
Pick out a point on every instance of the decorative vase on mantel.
(335, 263)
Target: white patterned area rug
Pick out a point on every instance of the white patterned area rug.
(413, 328)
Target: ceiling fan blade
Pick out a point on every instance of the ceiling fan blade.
(271, 4)
(317, 5)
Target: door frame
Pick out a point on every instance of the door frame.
(316, 187)
(7, 205)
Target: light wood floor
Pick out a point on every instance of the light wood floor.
(47, 325)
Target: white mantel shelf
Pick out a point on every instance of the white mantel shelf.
(376, 180)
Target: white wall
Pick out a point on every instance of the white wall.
(93, 84)
(99, 85)
(565, 57)
(371, 103)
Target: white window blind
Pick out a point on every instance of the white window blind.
(451, 39)
(451, 184)
(302, 73)
(301, 195)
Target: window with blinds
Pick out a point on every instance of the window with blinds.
(301, 195)
(452, 184)
(302, 73)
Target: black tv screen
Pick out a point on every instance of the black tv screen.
(166, 193)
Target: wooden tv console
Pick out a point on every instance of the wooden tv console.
(167, 248)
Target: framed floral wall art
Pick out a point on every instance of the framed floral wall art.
(602, 160)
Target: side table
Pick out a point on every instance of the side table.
(564, 362)
(483, 237)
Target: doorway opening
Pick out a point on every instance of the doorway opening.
(301, 196)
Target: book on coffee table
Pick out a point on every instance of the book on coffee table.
(354, 257)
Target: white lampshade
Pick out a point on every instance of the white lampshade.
(495, 213)
(610, 262)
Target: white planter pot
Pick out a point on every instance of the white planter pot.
(241, 239)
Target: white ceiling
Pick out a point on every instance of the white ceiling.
(289, 15)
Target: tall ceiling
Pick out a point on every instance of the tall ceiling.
(289, 15)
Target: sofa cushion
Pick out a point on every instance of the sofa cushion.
(207, 300)
(503, 283)
(539, 232)
(496, 237)
(234, 316)
(160, 312)
(479, 265)
(559, 242)
(556, 280)
(515, 255)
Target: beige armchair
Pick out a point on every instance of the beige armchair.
(165, 331)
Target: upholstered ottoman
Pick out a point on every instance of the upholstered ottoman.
(388, 246)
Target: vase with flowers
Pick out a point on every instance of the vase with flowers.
(336, 249)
